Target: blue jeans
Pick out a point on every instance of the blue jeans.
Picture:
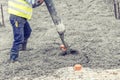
(21, 32)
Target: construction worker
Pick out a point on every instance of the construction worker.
(20, 11)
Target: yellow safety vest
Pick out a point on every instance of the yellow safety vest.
(20, 8)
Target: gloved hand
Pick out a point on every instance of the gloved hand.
(40, 1)
(37, 3)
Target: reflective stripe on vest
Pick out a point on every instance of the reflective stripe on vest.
(20, 8)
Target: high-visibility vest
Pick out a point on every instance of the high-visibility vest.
(20, 8)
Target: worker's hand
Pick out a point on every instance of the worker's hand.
(40, 1)
(37, 3)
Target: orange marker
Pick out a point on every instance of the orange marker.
(62, 47)
(77, 67)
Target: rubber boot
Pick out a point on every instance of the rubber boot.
(23, 46)
(14, 56)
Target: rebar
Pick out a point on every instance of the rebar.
(115, 10)
(3, 24)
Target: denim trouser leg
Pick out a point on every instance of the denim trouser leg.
(27, 31)
(18, 32)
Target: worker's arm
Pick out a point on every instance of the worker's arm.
(35, 3)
